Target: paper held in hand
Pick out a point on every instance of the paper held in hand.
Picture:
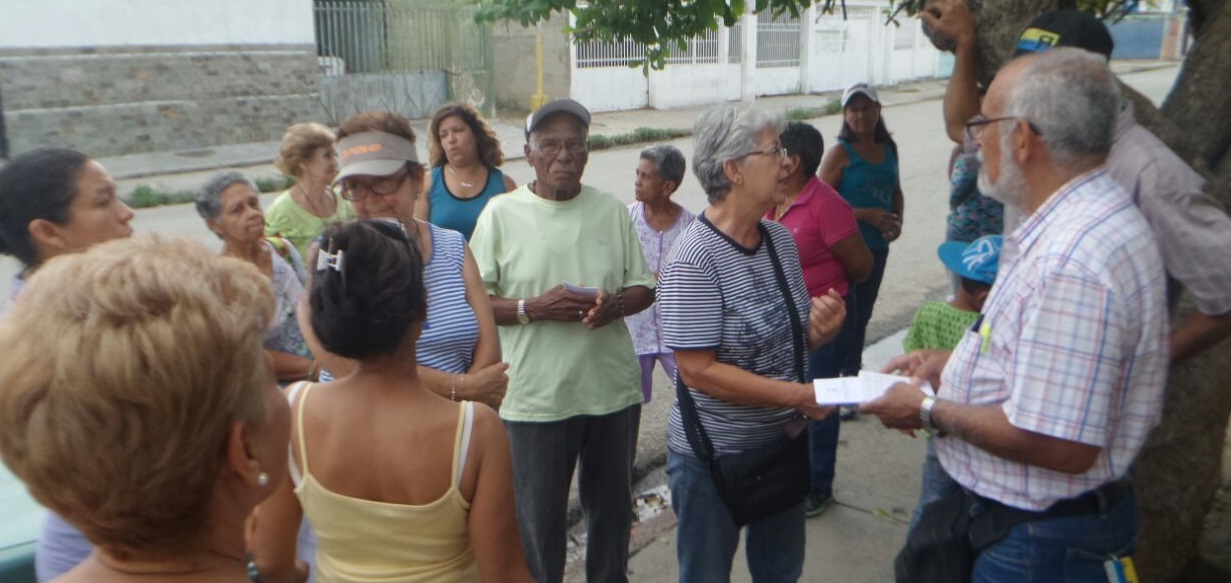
(855, 390)
(589, 291)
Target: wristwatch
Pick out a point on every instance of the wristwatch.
(925, 416)
(522, 316)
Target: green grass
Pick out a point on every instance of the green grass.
(148, 196)
(638, 136)
(832, 107)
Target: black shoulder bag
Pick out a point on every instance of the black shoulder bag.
(760, 484)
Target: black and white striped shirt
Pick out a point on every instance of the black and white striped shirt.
(717, 295)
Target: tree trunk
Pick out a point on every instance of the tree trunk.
(1178, 471)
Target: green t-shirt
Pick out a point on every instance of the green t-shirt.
(526, 245)
(938, 326)
(288, 220)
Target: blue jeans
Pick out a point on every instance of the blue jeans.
(865, 298)
(936, 484)
(840, 357)
(707, 537)
(1069, 549)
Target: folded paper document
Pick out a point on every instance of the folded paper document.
(855, 390)
(581, 289)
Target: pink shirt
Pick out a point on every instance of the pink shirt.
(818, 219)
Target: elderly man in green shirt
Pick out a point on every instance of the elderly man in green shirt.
(563, 266)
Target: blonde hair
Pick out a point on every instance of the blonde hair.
(123, 371)
(299, 143)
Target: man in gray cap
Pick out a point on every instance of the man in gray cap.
(563, 265)
(1192, 229)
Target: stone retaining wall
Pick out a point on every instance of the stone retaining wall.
(125, 100)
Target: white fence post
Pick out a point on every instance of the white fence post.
(748, 56)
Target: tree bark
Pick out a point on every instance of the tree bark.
(1178, 471)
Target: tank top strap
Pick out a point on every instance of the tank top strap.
(299, 432)
(461, 442)
(851, 154)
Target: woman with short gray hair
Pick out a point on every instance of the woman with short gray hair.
(232, 210)
(737, 313)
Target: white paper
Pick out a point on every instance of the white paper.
(859, 389)
(581, 289)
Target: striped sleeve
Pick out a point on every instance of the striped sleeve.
(691, 307)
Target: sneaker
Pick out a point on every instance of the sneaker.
(816, 504)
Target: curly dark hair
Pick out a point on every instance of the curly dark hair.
(484, 136)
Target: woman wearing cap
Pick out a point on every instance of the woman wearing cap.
(737, 312)
(301, 212)
(459, 352)
(400, 483)
(153, 424)
(56, 202)
(465, 156)
(834, 257)
(863, 168)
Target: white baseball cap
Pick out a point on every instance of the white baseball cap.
(859, 89)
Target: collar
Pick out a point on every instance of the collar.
(805, 196)
(1032, 228)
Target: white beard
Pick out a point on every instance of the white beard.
(1011, 187)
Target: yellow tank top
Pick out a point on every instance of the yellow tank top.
(362, 541)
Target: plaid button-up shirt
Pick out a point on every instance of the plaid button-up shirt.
(1072, 344)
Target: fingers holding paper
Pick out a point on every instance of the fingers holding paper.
(898, 407)
(920, 364)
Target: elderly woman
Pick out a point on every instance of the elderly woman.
(300, 213)
(459, 352)
(231, 207)
(465, 157)
(737, 313)
(444, 513)
(161, 402)
(56, 202)
(834, 257)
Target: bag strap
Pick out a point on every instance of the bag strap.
(698, 439)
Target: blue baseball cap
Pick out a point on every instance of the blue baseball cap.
(977, 260)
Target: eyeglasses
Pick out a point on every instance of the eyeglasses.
(776, 152)
(552, 148)
(387, 185)
(978, 123)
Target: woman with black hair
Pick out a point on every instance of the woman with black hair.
(863, 168)
(399, 482)
(55, 202)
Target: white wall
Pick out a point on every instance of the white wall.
(108, 23)
(689, 85)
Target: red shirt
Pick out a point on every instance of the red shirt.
(818, 219)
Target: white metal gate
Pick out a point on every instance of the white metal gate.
(602, 79)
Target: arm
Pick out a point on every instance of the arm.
(951, 19)
(607, 308)
(700, 370)
(832, 165)
(855, 258)
(1199, 332)
(492, 517)
(985, 427)
(273, 539)
(893, 226)
(557, 305)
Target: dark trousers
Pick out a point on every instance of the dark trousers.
(840, 357)
(544, 456)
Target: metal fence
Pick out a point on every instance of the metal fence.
(399, 36)
(701, 50)
(778, 40)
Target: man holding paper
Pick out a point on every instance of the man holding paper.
(1049, 396)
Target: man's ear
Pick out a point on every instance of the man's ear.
(1024, 141)
(526, 150)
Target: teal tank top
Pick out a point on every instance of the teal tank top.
(867, 185)
(460, 214)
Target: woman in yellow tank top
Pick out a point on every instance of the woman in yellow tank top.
(399, 483)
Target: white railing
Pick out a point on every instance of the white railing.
(778, 40)
(701, 50)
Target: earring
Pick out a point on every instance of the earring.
(262, 479)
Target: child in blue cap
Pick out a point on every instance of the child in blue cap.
(940, 325)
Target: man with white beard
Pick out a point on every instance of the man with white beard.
(1048, 398)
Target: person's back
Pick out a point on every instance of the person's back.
(381, 512)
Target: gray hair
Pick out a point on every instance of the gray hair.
(209, 202)
(724, 133)
(668, 160)
(1072, 98)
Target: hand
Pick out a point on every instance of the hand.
(950, 19)
(486, 385)
(560, 305)
(825, 318)
(807, 406)
(606, 309)
(899, 407)
(920, 364)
